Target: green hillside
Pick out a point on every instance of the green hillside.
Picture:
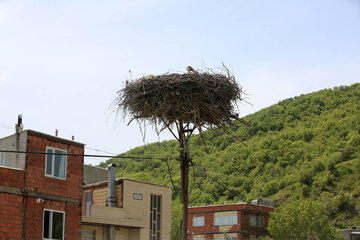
(294, 152)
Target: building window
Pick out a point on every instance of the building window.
(225, 220)
(2, 158)
(198, 221)
(53, 225)
(88, 203)
(256, 221)
(55, 164)
(155, 217)
(88, 235)
(225, 238)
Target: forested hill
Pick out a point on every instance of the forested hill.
(294, 151)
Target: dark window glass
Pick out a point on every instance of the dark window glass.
(158, 203)
(150, 220)
(46, 224)
(59, 164)
(57, 225)
(88, 196)
(158, 221)
(155, 215)
(88, 203)
(48, 162)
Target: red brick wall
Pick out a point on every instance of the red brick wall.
(10, 216)
(11, 178)
(35, 213)
(72, 221)
(12, 206)
(35, 169)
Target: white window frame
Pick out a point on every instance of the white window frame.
(2, 158)
(202, 222)
(222, 220)
(53, 163)
(50, 223)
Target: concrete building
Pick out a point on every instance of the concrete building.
(40, 189)
(239, 221)
(351, 234)
(136, 210)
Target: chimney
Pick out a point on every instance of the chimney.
(111, 185)
(56, 132)
(19, 126)
(111, 195)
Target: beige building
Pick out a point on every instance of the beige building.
(141, 210)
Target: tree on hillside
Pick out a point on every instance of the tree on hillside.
(301, 220)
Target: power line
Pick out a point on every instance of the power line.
(6, 127)
(81, 155)
(241, 197)
(97, 150)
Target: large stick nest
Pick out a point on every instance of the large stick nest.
(203, 99)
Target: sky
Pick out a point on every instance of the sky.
(62, 62)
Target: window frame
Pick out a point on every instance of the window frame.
(87, 209)
(156, 204)
(225, 238)
(198, 217)
(88, 234)
(53, 162)
(230, 223)
(51, 222)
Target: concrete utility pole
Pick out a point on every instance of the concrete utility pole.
(184, 166)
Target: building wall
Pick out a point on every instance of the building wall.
(11, 177)
(34, 219)
(35, 169)
(141, 208)
(133, 210)
(10, 216)
(242, 230)
(100, 231)
(100, 195)
(15, 143)
(25, 190)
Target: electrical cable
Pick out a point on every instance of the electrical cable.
(172, 182)
(241, 197)
(97, 150)
(80, 155)
(6, 126)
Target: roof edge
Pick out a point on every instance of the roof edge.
(54, 138)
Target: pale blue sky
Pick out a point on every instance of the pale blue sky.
(61, 62)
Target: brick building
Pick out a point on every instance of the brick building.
(239, 221)
(40, 194)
